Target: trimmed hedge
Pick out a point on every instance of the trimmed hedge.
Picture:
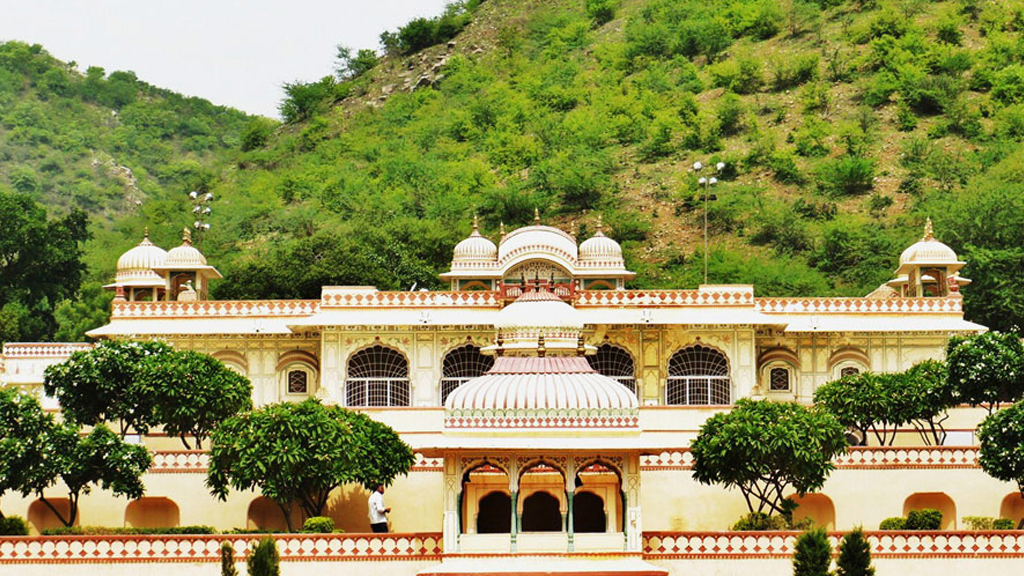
(13, 526)
(108, 530)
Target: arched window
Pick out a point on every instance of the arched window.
(461, 365)
(377, 376)
(848, 371)
(698, 375)
(616, 363)
(298, 382)
(778, 380)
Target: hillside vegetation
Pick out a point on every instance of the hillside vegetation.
(842, 124)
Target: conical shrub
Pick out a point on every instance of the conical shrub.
(813, 554)
(854, 555)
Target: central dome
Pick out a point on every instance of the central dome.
(136, 266)
(538, 238)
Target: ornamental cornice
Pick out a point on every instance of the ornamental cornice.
(43, 349)
(858, 305)
(431, 299)
(856, 458)
(662, 298)
(215, 308)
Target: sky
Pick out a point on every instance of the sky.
(232, 52)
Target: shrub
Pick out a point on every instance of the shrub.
(810, 140)
(927, 519)
(1002, 524)
(1008, 85)
(906, 120)
(813, 554)
(794, 70)
(816, 96)
(108, 530)
(730, 114)
(263, 560)
(784, 168)
(854, 555)
(742, 75)
(256, 134)
(948, 31)
(980, 522)
(759, 521)
(601, 11)
(894, 523)
(227, 560)
(879, 89)
(1009, 122)
(13, 526)
(319, 525)
(847, 176)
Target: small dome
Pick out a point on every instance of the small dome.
(539, 309)
(883, 292)
(475, 248)
(138, 263)
(185, 256)
(928, 250)
(600, 247)
(538, 239)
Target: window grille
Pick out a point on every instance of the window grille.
(462, 365)
(377, 376)
(698, 375)
(778, 380)
(616, 363)
(298, 382)
(849, 371)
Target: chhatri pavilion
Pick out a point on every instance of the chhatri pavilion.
(550, 406)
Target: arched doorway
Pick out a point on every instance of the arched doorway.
(588, 513)
(818, 507)
(936, 500)
(42, 518)
(152, 513)
(265, 514)
(494, 514)
(1012, 507)
(541, 513)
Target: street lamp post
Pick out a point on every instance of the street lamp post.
(200, 211)
(707, 183)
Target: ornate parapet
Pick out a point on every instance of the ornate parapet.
(895, 544)
(708, 296)
(59, 350)
(858, 457)
(215, 309)
(859, 305)
(338, 297)
(198, 461)
(165, 548)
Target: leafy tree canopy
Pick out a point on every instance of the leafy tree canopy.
(193, 393)
(103, 385)
(986, 368)
(766, 448)
(80, 462)
(23, 426)
(1002, 446)
(40, 265)
(301, 452)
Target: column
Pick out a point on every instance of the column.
(515, 519)
(452, 504)
(569, 520)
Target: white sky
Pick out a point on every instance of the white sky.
(232, 52)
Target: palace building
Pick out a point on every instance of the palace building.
(551, 407)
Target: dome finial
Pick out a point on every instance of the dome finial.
(536, 216)
(186, 236)
(501, 229)
(145, 233)
(600, 226)
(929, 232)
(476, 223)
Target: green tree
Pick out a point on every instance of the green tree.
(300, 453)
(305, 99)
(766, 448)
(103, 385)
(193, 393)
(227, 560)
(349, 66)
(930, 395)
(1002, 446)
(89, 309)
(101, 458)
(23, 426)
(854, 555)
(857, 402)
(812, 555)
(40, 264)
(986, 368)
(263, 559)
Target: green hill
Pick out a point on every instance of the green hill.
(842, 124)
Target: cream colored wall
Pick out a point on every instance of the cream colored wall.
(1009, 566)
(388, 567)
(672, 500)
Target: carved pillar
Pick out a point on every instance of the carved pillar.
(513, 488)
(634, 524)
(569, 521)
(452, 503)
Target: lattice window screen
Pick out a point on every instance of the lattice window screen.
(461, 365)
(377, 376)
(298, 382)
(616, 363)
(698, 375)
(849, 371)
(778, 380)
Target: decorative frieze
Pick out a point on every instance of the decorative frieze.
(857, 457)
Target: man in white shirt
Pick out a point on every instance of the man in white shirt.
(378, 513)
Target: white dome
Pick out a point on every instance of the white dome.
(560, 384)
(136, 265)
(600, 247)
(538, 239)
(185, 256)
(928, 252)
(475, 248)
(538, 309)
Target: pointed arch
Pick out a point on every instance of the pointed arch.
(698, 374)
(377, 375)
